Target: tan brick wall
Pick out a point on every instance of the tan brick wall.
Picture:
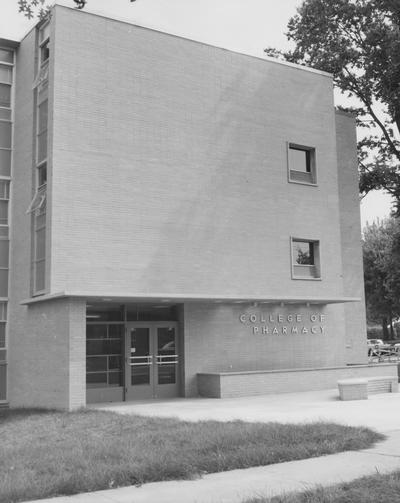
(170, 170)
(39, 351)
(169, 175)
(47, 341)
(217, 341)
(20, 230)
(77, 353)
(48, 356)
(353, 278)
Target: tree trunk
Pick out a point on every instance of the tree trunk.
(385, 332)
(392, 336)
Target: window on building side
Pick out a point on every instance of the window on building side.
(4, 197)
(42, 131)
(6, 56)
(6, 69)
(6, 80)
(41, 175)
(3, 320)
(37, 206)
(44, 43)
(301, 164)
(305, 259)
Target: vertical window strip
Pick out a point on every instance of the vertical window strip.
(6, 96)
(39, 211)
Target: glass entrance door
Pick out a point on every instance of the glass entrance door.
(152, 360)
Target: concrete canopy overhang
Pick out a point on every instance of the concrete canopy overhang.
(181, 298)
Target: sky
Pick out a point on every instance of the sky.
(241, 25)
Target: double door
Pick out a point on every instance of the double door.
(152, 360)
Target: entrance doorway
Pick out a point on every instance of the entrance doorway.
(152, 360)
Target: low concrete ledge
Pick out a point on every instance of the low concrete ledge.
(266, 382)
(359, 389)
(353, 389)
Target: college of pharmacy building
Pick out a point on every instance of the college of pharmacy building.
(176, 219)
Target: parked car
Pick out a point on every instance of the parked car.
(374, 344)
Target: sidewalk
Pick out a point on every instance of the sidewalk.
(381, 412)
(238, 485)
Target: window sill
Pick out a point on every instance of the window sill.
(310, 184)
(306, 278)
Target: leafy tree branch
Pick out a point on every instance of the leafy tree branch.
(358, 41)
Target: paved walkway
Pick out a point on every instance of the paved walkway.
(379, 411)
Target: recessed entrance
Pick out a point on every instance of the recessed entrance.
(131, 352)
(152, 360)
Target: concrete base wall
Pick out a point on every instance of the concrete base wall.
(237, 384)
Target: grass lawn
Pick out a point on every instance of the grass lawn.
(49, 453)
(372, 489)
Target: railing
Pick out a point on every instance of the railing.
(148, 361)
(384, 354)
(163, 359)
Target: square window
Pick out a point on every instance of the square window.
(305, 259)
(301, 164)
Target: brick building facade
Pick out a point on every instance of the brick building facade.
(177, 212)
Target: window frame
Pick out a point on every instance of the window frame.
(44, 41)
(313, 270)
(37, 206)
(10, 65)
(309, 176)
(42, 131)
(7, 116)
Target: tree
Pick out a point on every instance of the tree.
(358, 41)
(39, 8)
(381, 251)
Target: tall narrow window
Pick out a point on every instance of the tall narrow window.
(3, 351)
(37, 206)
(42, 131)
(6, 101)
(40, 248)
(5, 111)
(44, 43)
(4, 244)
